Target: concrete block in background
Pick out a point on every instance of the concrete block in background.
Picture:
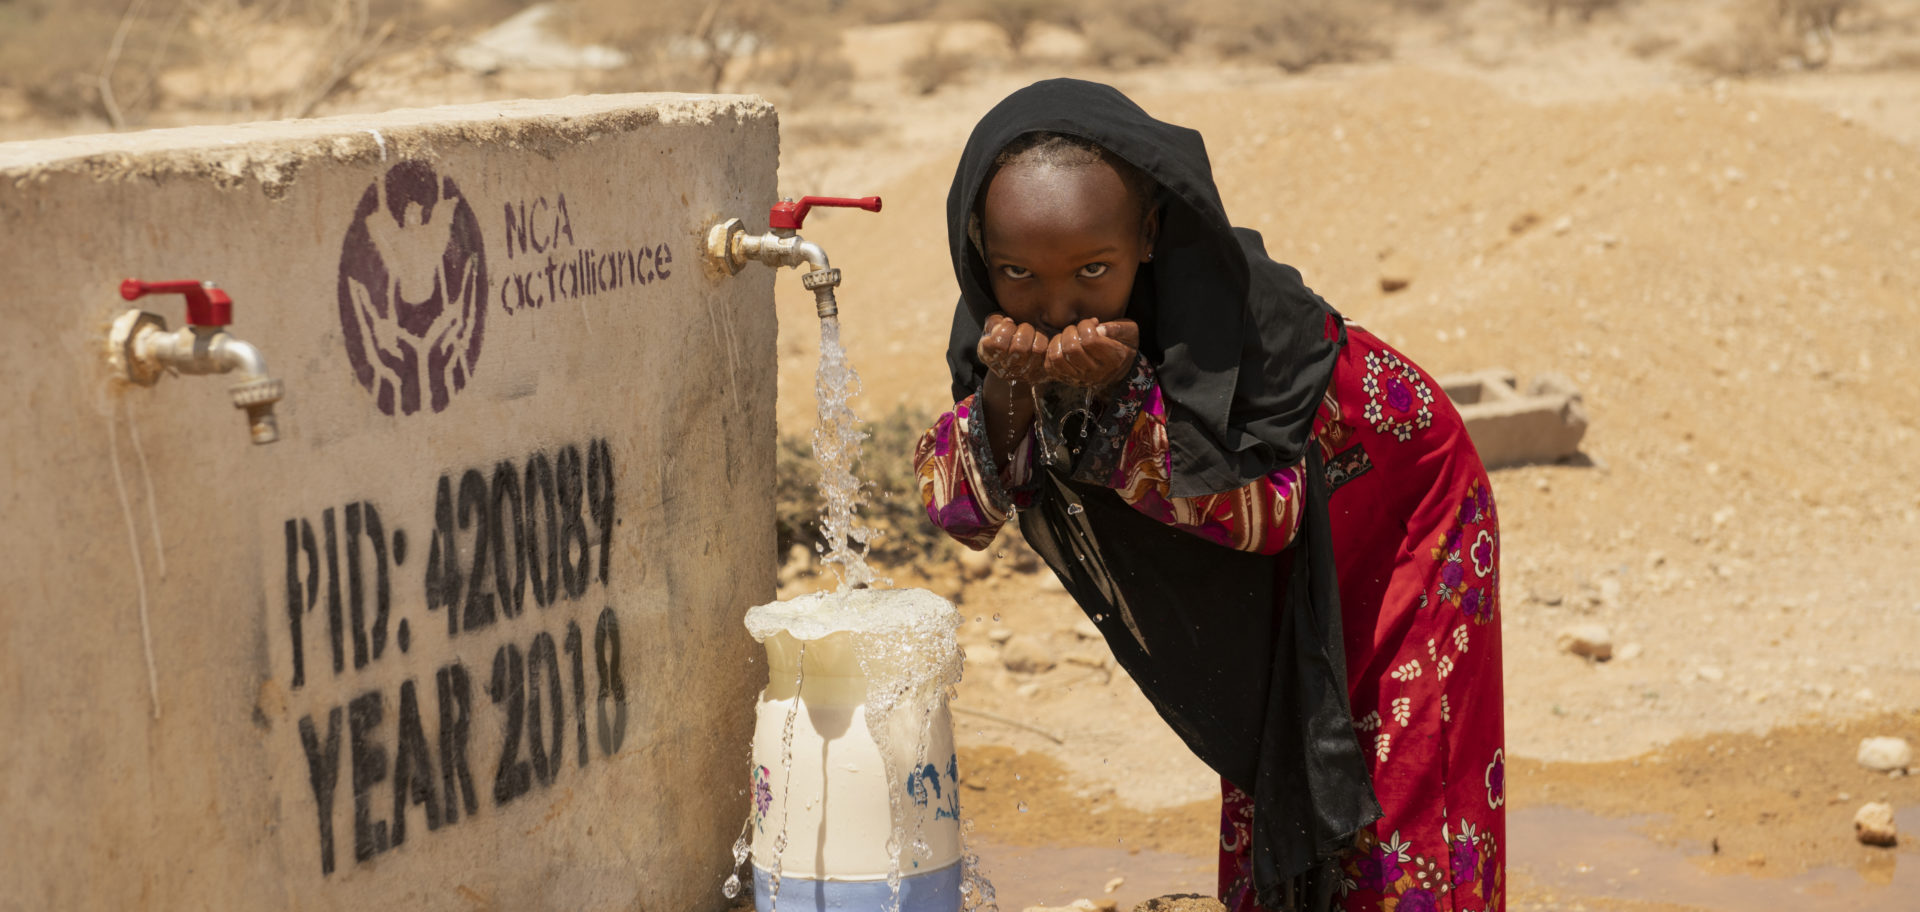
(1544, 424)
(470, 634)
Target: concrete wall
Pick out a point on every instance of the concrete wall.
(227, 678)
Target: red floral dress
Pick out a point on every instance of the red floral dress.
(1417, 543)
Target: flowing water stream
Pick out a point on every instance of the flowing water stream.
(836, 447)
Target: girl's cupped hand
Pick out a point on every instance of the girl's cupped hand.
(1091, 354)
(1014, 351)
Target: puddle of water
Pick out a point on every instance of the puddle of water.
(1054, 876)
(1584, 854)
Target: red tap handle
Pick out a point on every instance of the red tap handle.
(788, 214)
(206, 305)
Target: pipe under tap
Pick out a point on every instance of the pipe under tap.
(142, 350)
(730, 247)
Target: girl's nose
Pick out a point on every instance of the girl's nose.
(1062, 311)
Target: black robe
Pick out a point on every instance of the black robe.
(1240, 653)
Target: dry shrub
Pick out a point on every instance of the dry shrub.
(893, 508)
(1755, 46)
(934, 67)
(1296, 35)
(106, 57)
(1649, 45)
(1114, 42)
(1173, 23)
(806, 71)
(1127, 33)
(876, 12)
(1584, 10)
(1907, 58)
(55, 53)
(1768, 33)
(1018, 17)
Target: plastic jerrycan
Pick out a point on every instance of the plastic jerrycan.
(822, 791)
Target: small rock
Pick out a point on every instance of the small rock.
(1078, 905)
(1884, 754)
(1000, 635)
(1181, 902)
(975, 565)
(1609, 591)
(1873, 824)
(1629, 652)
(1563, 225)
(1026, 654)
(1391, 284)
(1710, 673)
(1113, 884)
(1548, 597)
(1592, 641)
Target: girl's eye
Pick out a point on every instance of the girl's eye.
(1093, 270)
(1015, 272)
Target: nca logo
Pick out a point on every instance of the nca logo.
(413, 289)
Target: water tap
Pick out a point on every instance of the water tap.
(730, 247)
(141, 349)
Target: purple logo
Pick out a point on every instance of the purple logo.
(413, 289)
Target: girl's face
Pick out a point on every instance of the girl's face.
(1063, 244)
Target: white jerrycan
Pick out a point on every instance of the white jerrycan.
(853, 762)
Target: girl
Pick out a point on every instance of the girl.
(1276, 520)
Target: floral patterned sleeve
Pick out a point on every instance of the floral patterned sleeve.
(1129, 452)
(963, 494)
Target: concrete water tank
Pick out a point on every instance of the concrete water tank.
(468, 634)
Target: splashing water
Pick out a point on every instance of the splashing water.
(786, 773)
(731, 889)
(836, 446)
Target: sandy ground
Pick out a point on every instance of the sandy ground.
(1729, 273)
(1728, 270)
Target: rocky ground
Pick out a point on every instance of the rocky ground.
(1727, 266)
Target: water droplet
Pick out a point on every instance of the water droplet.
(1022, 807)
(996, 617)
(1076, 510)
(731, 889)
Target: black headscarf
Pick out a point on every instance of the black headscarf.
(1243, 352)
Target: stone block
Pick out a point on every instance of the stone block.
(1545, 424)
